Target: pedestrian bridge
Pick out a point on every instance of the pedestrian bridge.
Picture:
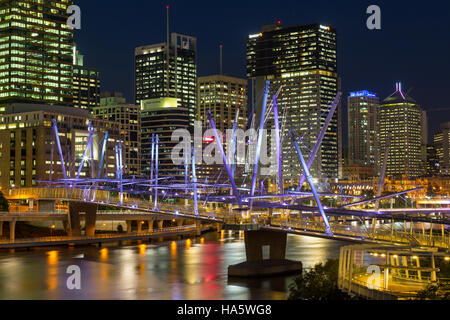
(98, 238)
(384, 229)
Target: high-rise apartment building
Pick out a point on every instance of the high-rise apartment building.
(36, 52)
(442, 145)
(363, 148)
(86, 84)
(113, 107)
(303, 61)
(401, 120)
(28, 151)
(226, 98)
(162, 117)
(168, 70)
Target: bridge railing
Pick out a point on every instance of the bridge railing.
(317, 226)
(103, 236)
(112, 199)
(381, 234)
(358, 285)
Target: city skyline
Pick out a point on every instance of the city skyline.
(359, 48)
(151, 170)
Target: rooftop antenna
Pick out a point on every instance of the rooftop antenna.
(221, 59)
(399, 89)
(167, 28)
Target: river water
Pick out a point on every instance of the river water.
(189, 269)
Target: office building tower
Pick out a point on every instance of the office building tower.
(29, 153)
(162, 117)
(401, 120)
(113, 107)
(442, 145)
(226, 98)
(433, 165)
(223, 96)
(36, 53)
(86, 84)
(303, 61)
(363, 148)
(168, 70)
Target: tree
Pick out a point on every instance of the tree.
(440, 291)
(4, 204)
(318, 284)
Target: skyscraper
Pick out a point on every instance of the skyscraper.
(168, 70)
(113, 107)
(162, 117)
(36, 52)
(433, 164)
(226, 98)
(363, 148)
(401, 120)
(442, 145)
(303, 60)
(86, 84)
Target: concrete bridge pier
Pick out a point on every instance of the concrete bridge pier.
(1, 228)
(90, 219)
(256, 265)
(160, 224)
(219, 227)
(66, 226)
(198, 228)
(12, 230)
(129, 226)
(90, 210)
(179, 223)
(150, 225)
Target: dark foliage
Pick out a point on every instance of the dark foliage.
(439, 291)
(4, 205)
(318, 284)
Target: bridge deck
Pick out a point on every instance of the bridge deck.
(228, 217)
(82, 240)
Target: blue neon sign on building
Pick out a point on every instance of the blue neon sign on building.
(363, 93)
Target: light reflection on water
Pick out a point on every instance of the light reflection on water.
(191, 269)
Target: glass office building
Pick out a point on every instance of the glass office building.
(36, 53)
(168, 71)
(363, 109)
(86, 85)
(303, 61)
(401, 119)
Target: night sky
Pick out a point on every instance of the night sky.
(413, 45)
